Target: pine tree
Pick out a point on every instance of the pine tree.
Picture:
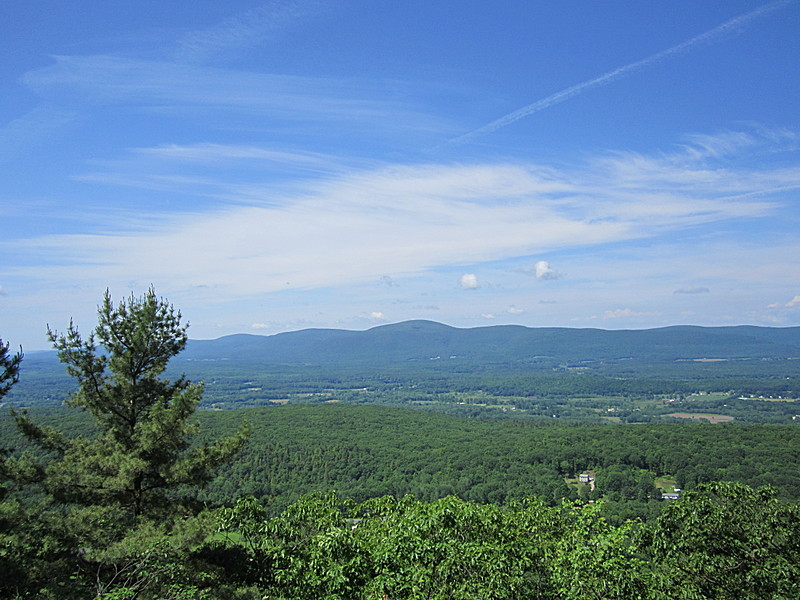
(9, 375)
(9, 368)
(141, 456)
(115, 516)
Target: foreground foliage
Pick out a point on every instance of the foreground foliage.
(722, 540)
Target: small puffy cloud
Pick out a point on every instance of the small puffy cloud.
(377, 316)
(388, 281)
(469, 281)
(259, 326)
(543, 270)
(488, 316)
(692, 290)
(513, 310)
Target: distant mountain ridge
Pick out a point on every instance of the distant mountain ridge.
(418, 341)
(414, 350)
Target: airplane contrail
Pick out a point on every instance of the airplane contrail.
(619, 73)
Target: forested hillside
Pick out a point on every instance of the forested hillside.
(369, 451)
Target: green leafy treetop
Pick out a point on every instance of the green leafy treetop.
(141, 456)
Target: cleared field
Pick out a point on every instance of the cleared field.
(665, 484)
(711, 418)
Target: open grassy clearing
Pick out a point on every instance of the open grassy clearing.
(711, 418)
(665, 483)
(708, 396)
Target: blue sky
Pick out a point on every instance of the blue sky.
(273, 166)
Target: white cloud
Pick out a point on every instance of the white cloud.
(259, 326)
(542, 270)
(399, 220)
(377, 316)
(488, 316)
(469, 281)
(513, 310)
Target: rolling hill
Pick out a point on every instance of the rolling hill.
(424, 341)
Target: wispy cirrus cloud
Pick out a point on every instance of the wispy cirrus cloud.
(214, 153)
(189, 82)
(793, 302)
(23, 134)
(399, 221)
(244, 30)
(204, 169)
(190, 91)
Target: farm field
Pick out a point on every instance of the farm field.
(713, 419)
